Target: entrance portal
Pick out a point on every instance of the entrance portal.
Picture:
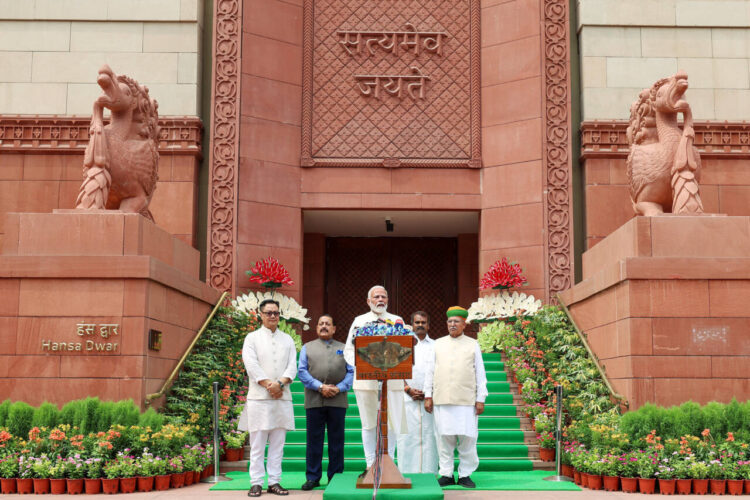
(419, 274)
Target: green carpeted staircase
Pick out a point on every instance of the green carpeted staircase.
(504, 439)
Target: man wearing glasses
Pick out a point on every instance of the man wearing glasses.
(270, 360)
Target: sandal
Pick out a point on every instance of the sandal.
(277, 489)
(255, 491)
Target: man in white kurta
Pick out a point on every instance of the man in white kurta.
(366, 391)
(270, 359)
(455, 389)
(417, 449)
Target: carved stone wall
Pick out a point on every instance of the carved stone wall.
(391, 83)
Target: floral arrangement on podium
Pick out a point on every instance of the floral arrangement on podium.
(387, 328)
(271, 274)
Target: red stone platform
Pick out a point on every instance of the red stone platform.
(67, 278)
(664, 305)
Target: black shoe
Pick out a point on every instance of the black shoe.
(444, 481)
(310, 485)
(277, 489)
(466, 482)
(255, 491)
(364, 473)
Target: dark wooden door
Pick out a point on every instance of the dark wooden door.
(419, 274)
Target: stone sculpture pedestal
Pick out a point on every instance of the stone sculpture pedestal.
(664, 304)
(67, 278)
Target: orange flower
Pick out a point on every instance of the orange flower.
(57, 435)
(5, 436)
(705, 432)
(730, 437)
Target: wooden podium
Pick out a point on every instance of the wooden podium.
(384, 358)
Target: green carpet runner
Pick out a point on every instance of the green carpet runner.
(501, 442)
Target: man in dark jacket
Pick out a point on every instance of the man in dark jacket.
(327, 377)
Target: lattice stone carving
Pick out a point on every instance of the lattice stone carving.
(343, 127)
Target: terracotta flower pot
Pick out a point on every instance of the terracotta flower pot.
(75, 486)
(585, 479)
(735, 486)
(57, 486)
(8, 485)
(205, 473)
(567, 470)
(188, 478)
(161, 483)
(93, 486)
(547, 454)
(667, 486)
(145, 483)
(127, 484)
(595, 482)
(234, 454)
(747, 487)
(647, 485)
(41, 486)
(718, 486)
(611, 483)
(197, 476)
(110, 486)
(700, 486)
(210, 470)
(178, 480)
(684, 486)
(25, 486)
(629, 484)
(577, 477)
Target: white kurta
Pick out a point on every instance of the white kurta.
(417, 450)
(458, 420)
(268, 355)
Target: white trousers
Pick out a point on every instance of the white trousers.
(417, 450)
(368, 404)
(369, 443)
(468, 460)
(258, 439)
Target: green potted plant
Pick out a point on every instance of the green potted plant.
(646, 466)
(93, 480)
(717, 477)
(9, 473)
(628, 470)
(546, 446)
(699, 474)
(25, 481)
(235, 440)
(75, 471)
(665, 474)
(146, 470)
(596, 470)
(163, 478)
(734, 478)
(42, 469)
(128, 470)
(681, 464)
(57, 477)
(111, 480)
(177, 472)
(610, 478)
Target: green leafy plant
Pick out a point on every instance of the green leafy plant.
(698, 470)
(235, 439)
(19, 420)
(490, 337)
(9, 466)
(41, 467)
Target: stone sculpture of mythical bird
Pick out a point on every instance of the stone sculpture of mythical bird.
(663, 165)
(121, 161)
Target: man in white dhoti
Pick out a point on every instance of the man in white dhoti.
(366, 391)
(455, 388)
(417, 450)
(271, 362)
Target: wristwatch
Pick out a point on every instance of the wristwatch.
(407, 389)
(281, 384)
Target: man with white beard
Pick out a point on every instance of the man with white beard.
(417, 450)
(366, 391)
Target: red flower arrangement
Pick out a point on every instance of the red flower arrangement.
(502, 274)
(270, 273)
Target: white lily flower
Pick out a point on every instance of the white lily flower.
(503, 305)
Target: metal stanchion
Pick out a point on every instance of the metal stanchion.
(216, 478)
(558, 440)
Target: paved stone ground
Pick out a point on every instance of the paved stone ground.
(200, 492)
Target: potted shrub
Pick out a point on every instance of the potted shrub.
(75, 470)
(57, 477)
(177, 473)
(646, 468)
(93, 481)
(546, 446)
(25, 481)
(744, 472)
(111, 479)
(734, 479)
(596, 467)
(235, 440)
(146, 470)
(666, 476)
(9, 473)
(610, 471)
(161, 469)
(628, 469)
(699, 475)
(127, 472)
(682, 473)
(42, 470)
(717, 478)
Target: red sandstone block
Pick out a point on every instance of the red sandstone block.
(731, 366)
(509, 21)
(157, 305)
(10, 238)
(8, 327)
(509, 227)
(512, 143)
(596, 171)
(165, 167)
(271, 225)
(631, 239)
(673, 391)
(330, 200)
(135, 294)
(710, 198)
(513, 184)
(271, 100)
(269, 141)
(642, 391)
(700, 336)
(73, 168)
(69, 193)
(618, 368)
(659, 367)
(132, 389)
(9, 289)
(595, 311)
(43, 167)
(96, 366)
(29, 366)
(134, 336)
(724, 172)
(11, 167)
(346, 180)
(700, 236)
(70, 297)
(185, 258)
(729, 297)
(271, 59)
(173, 206)
(511, 102)
(607, 208)
(435, 180)
(451, 201)
(201, 311)
(28, 196)
(155, 241)
(603, 341)
(391, 201)
(180, 308)
(591, 242)
(273, 19)
(185, 168)
(530, 258)
(174, 339)
(683, 298)
(734, 200)
(618, 172)
(84, 234)
(634, 336)
(267, 182)
(59, 391)
(37, 335)
(515, 60)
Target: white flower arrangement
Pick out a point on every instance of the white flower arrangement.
(503, 305)
(290, 310)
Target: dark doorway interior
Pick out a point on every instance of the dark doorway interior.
(419, 273)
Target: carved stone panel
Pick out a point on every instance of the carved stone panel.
(391, 83)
